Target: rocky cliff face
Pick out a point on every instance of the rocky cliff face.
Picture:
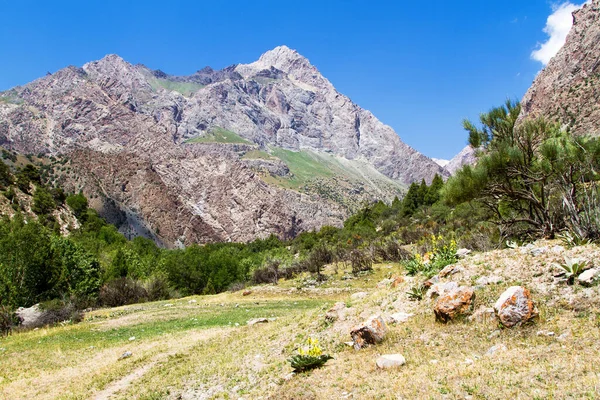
(568, 88)
(194, 159)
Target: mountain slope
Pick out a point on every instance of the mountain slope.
(202, 158)
(568, 88)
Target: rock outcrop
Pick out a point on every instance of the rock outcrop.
(568, 88)
(136, 140)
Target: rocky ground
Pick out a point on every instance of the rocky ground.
(495, 325)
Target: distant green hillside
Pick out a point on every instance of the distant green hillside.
(218, 135)
(185, 88)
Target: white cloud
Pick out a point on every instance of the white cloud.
(557, 28)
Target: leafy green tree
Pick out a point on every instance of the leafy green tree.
(531, 176)
(76, 272)
(79, 204)
(43, 202)
(5, 176)
(28, 175)
(412, 200)
(433, 191)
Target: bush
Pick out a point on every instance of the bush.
(390, 250)
(158, 289)
(7, 320)
(236, 287)
(265, 275)
(122, 291)
(360, 261)
(57, 311)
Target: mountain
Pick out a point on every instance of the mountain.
(442, 163)
(465, 157)
(568, 88)
(229, 155)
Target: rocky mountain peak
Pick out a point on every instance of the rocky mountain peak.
(298, 68)
(282, 56)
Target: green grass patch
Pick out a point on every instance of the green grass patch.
(257, 155)
(11, 97)
(219, 135)
(304, 166)
(185, 88)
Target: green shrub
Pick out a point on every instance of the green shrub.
(122, 291)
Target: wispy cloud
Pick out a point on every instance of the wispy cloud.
(557, 28)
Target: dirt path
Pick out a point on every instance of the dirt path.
(192, 339)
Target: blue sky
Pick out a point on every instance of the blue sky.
(420, 67)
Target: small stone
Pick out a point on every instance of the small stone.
(255, 321)
(390, 361)
(494, 334)
(495, 349)
(468, 361)
(399, 317)
(483, 315)
(125, 355)
(397, 281)
(564, 336)
(440, 289)
(192, 301)
(384, 284)
(359, 295)
(434, 361)
(545, 333)
(589, 277)
(168, 305)
(288, 376)
(456, 303)
(336, 312)
(450, 270)
(431, 281)
(515, 307)
(371, 332)
(488, 280)
(246, 292)
(536, 251)
(462, 253)
(131, 339)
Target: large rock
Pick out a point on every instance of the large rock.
(515, 307)
(457, 303)
(390, 361)
(372, 331)
(30, 317)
